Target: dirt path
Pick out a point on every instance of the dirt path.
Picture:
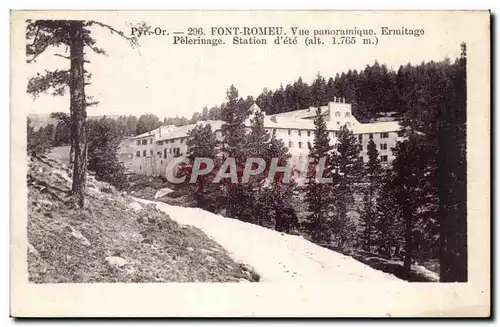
(273, 255)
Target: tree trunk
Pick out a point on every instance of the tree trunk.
(78, 113)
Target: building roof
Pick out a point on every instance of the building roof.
(182, 131)
(379, 127)
(160, 131)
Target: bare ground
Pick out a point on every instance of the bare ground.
(113, 239)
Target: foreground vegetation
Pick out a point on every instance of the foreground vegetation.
(113, 239)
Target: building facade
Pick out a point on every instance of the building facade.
(151, 152)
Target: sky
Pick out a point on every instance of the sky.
(168, 80)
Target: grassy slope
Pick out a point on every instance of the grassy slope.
(71, 245)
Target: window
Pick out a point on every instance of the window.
(144, 153)
(144, 142)
(138, 142)
(347, 115)
(182, 141)
(171, 141)
(158, 153)
(170, 150)
(308, 133)
(274, 131)
(289, 132)
(360, 138)
(383, 146)
(300, 145)
(384, 135)
(150, 141)
(300, 133)
(337, 114)
(161, 162)
(138, 154)
(165, 153)
(383, 158)
(290, 144)
(309, 144)
(371, 136)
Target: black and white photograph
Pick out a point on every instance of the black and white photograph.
(253, 148)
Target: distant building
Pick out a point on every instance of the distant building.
(152, 151)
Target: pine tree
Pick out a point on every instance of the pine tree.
(318, 195)
(76, 36)
(373, 172)
(147, 123)
(257, 145)
(319, 91)
(234, 114)
(410, 169)
(104, 138)
(202, 143)
(347, 171)
(280, 193)
(40, 141)
(388, 223)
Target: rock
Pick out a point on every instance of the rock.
(108, 190)
(63, 175)
(190, 249)
(162, 192)
(135, 206)
(210, 259)
(243, 280)
(116, 261)
(32, 250)
(79, 236)
(46, 203)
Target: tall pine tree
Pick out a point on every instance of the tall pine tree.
(318, 195)
(347, 171)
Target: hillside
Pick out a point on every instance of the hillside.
(114, 239)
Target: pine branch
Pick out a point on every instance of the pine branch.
(132, 40)
(56, 81)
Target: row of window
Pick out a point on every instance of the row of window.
(144, 142)
(347, 114)
(144, 153)
(175, 151)
(383, 146)
(170, 141)
(383, 158)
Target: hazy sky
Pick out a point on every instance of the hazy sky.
(168, 80)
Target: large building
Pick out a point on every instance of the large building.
(150, 153)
